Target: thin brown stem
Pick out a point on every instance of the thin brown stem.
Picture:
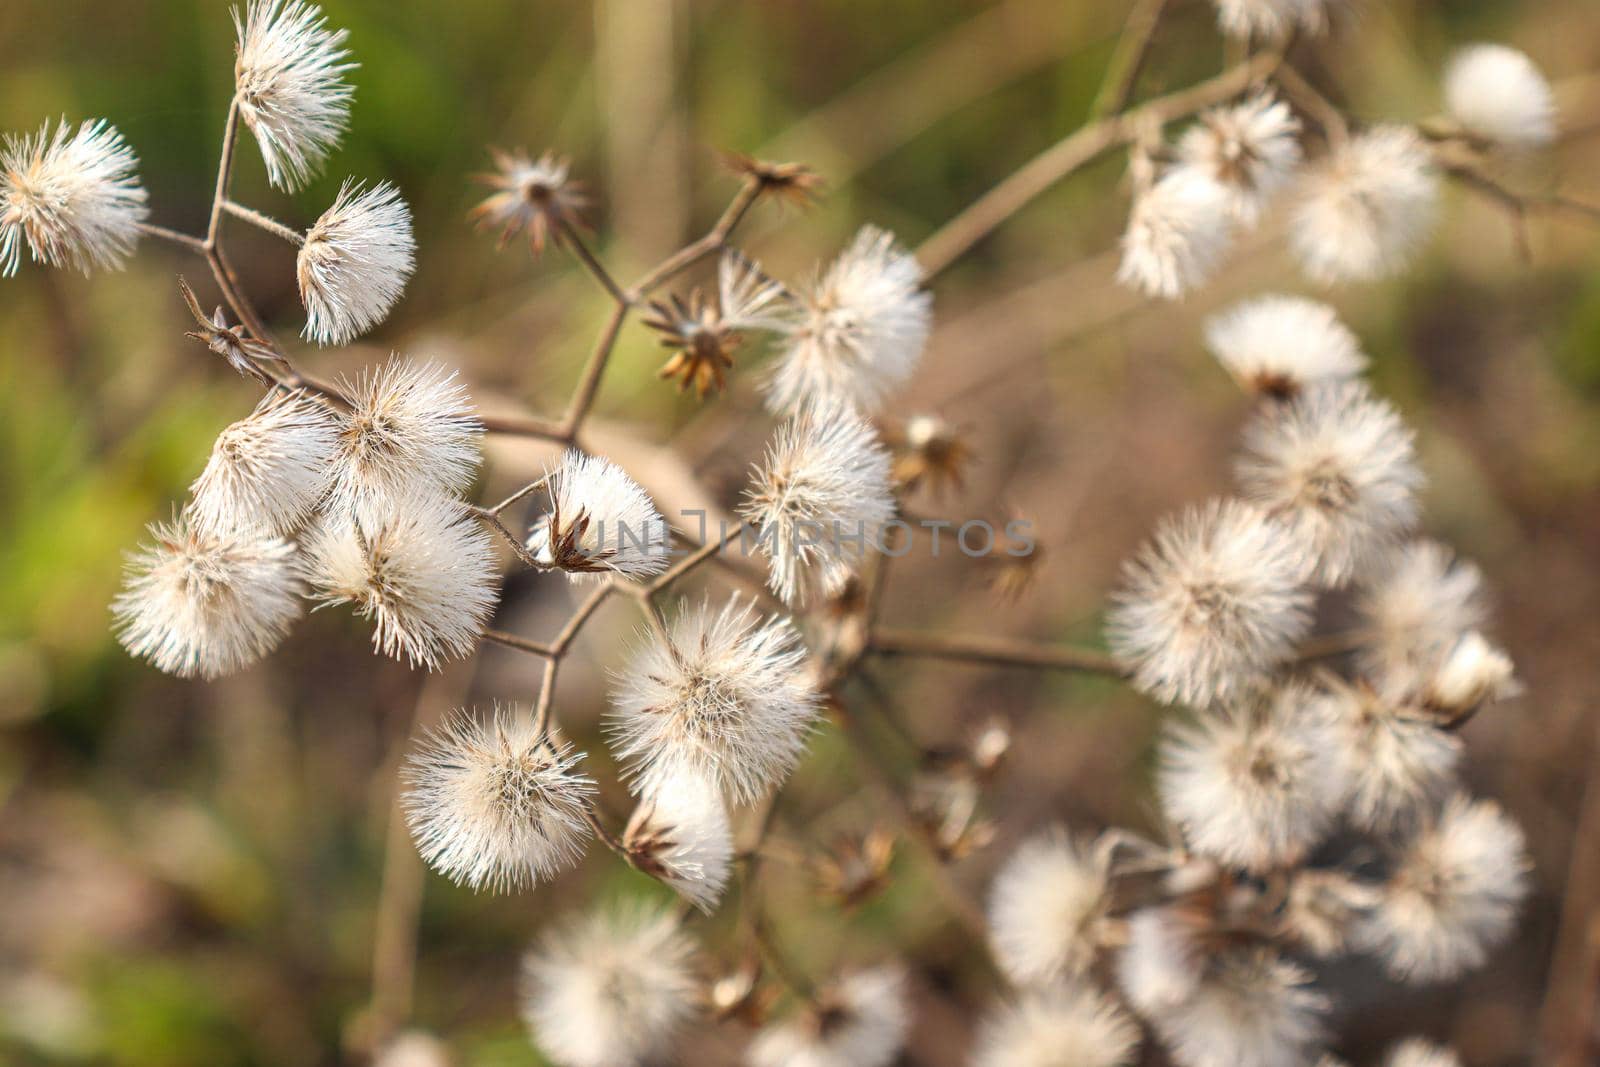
(572, 239)
(593, 371)
(525, 491)
(1133, 47)
(998, 652)
(264, 222)
(575, 624)
(1309, 99)
(491, 519)
(194, 244)
(545, 707)
(230, 140)
(695, 558)
(538, 648)
(525, 426)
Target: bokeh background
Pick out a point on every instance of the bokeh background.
(189, 871)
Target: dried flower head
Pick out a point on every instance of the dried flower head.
(859, 1021)
(1161, 965)
(1048, 909)
(424, 572)
(233, 343)
(73, 198)
(204, 603)
(703, 336)
(1210, 604)
(1496, 93)
(1336, 466)
(289, 78)
(1177, 233)
(269, 471)
(819, 499)
(795, 183)
(679, 834)
(1254, 785)
(1394, 759)
(533, 195)
(1270, 18)
(1366, 208)
(1475, 671)
(725, 696)
(410, 429)
(1322, 908)
(601, 522)
(859, 331)
(1415, 605)
(1251, 1008)
(1453, 894)
(856, 868)
(928, 450)
(494, 802)
(1070, 1025)
(1250, 150)
(609, 990)
(355, 262)
(1419, 1052)
(1279, 346)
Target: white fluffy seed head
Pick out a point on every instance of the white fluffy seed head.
(1048, 909)
(679, 833)
(422, 570)
(1177, 233)
(355, 262)
(859, 1021)
(1420, 1052)
(268, 472)
(1251, 1008)
(1254, 785)
(73, 197)
(1453, 894)
(494, 804)
(1250, 150)
(1365, 210)
(1496, 93)
(818, 500)
(204, 603)
(1070, 1025)
(1473, 672)
(726, 697)
(410, 430)
(1270, 18)
(1337, 467)
(1416, 604)
(609, 990)
(859, 331)
(1281, 345)
(1394, 759)
(289, 77)
(1210, 604)
(1162, 962)
(601, 522)
(1322, 909)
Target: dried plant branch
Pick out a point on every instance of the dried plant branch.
(264, 222)
(1133, 47)
(500, 637)
(998, 652)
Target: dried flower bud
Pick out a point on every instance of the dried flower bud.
(927, 450)
(795, 183)
(1474, 672)
(856, 868)
(1322, 908)
(1048, 910)
(1177, 233)
(1250, 150)
(73, 198)
(232, 343)
(532, 195)
(704, 335)
(289, 78)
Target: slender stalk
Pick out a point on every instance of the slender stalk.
(575, 624)
(593, 371)
(1133, 47)
(695, 559)
(264, 222)
(491, 519)
(230, 140)
(525, 491)
(574, 240)
(1310, 100)
(194, 244)
(999, 652)
(543, 710)
(538, 648)
(525, 426)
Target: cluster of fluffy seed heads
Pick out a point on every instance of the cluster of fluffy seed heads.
(71, 196)
(601, 522)
(494, 803)
(1048, 910)
(289, 78)
(1271, 18)
(355, 262)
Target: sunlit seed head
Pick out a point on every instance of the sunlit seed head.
(1496, 93)
(73, 198)
(289, 77)
(201, 603)
(269, 471)
(355, 263)
(1473, 672)
(1395, 760)
(493, 804)
(858, 1021)
(1048, 909)
(1250, 150)
(1414, 605)
(1251, 1008)
(1069, 1024)
(1162, 962)
(609, 990)
(1364, 211)
(1178, 231)
(1270, 18)
(601, 522)
(679, 833)
(1279, 346)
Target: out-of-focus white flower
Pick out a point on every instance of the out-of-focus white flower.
(1061, 1025)
(1323, 908)
(726, 697)
(1160, 966)
(199, 602)
(1336, 465)
(860, 1021)
(1415, 605)
(493, 803)
(1366, 208)
(355, 262)
(819, 499)
(1420, 1052)
(1270, 18)
(859, 332)
(1281, 345)
(290, 83)
(1496, 93)
(1254, 785)
(1252, 1008)
(679, 833)
(1473, 672)
(414, 1048)
(601, 522)
(611, 990)
(1177, 233)
(73, 198)
(535, 195)
(1249, 149)
(747, 299)
(268, 472)
(1394, 759)
(1453, 894)
(1047, 909)
(410, 430)
(423, 571)
(1210, 604)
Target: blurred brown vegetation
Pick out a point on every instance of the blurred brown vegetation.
(189, 871)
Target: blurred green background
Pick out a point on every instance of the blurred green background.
(189, 870)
